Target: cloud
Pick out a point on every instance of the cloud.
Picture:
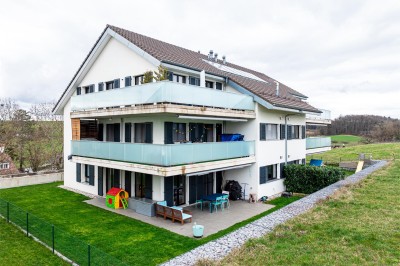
(343, 54)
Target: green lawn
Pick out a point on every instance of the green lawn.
(129, 240)
(346, 139)
(358, 225)
(17, 249)
(378, 151)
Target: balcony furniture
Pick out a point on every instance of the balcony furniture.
(225, 200)
(216, 203)
(232, 137)
(181, 215)
(199, 202)
(212, 199)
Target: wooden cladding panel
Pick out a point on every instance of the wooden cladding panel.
(76, 128)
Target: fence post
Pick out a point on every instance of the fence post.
(27, 224)
(88, 254)
(8, 212)
(52, 236)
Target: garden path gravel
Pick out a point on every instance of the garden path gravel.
(221, 247)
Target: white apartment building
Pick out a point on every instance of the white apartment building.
(181, 138)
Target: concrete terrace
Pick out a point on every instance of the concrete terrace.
(213, 222)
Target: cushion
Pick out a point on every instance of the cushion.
(176, 208)
(186, 216)
(162, 203)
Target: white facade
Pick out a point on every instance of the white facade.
(117, 61)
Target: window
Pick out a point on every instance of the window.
(101, 86)
(218, 86)
(143, 132)
(199, 132)
(89, 174)
(139, 80)
(268, 131)
(174, 132)
(295, 132)
(268, 173)
(109, 85)
(209, 84)
(78, 91)
(87, 170)
(178, 78)
(178, 132)
(128, 81)
(194, 81)
(4, 166)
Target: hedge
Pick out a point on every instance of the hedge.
(308, 179)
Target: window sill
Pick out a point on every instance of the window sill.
(270, 181)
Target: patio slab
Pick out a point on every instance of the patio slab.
(213, 222)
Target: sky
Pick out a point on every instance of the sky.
(344, 55)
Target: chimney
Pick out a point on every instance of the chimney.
(277, 88)
(224, 59)
(216, 57)
(210, 55)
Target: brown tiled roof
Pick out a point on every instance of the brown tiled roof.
(173, 54)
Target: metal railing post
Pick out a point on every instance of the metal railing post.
(52, 237)
(88, 254)
(27, 224)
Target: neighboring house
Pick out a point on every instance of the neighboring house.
(314, 122)
(165, 140)
(7, 166)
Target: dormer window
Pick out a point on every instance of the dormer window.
(209, 84)
(178, 78)
(194, 81)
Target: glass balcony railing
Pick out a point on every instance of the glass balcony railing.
(162, 92)
(163, 155)
(318, 142)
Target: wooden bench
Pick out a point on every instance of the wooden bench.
(173, 213)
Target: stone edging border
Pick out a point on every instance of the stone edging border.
(221, 247)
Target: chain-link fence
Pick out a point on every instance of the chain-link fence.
(56, 239)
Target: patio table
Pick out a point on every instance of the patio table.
(212, 197)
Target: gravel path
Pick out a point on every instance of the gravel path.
(219, 248)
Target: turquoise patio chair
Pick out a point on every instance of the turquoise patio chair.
(225, 201)
(216, 203)
(199, 202)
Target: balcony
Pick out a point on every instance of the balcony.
(323, 119)
(147, 98)
(318, 144)
(163, 155)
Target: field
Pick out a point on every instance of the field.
(377, 151)
(129, 240)
(346, 139)
(358, 225)
(17, 249)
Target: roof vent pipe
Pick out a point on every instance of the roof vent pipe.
(224, 59)
(277, 88)
(216, 57)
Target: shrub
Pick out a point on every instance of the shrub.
(308, 179)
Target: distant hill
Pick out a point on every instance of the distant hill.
(360, 125)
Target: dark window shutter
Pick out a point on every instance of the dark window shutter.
(128, 132)
(282, 165)
(117, 133)
(263, 135)
(78, 91)
(218, 86)
(283, 131)
(100, 181)
(168, 133)
(170, 76)
(289, 131)
(116, 83)
(263, 174)
(91, 175)
(78, 172)
(303, 132)
(101, 86)
(169, 190)
(148, 186)
(100, 132)
(128, 81)
(149, 133)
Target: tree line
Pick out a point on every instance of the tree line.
(33, 138)
(372, 127)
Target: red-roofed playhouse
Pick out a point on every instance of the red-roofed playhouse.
(117, 198)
